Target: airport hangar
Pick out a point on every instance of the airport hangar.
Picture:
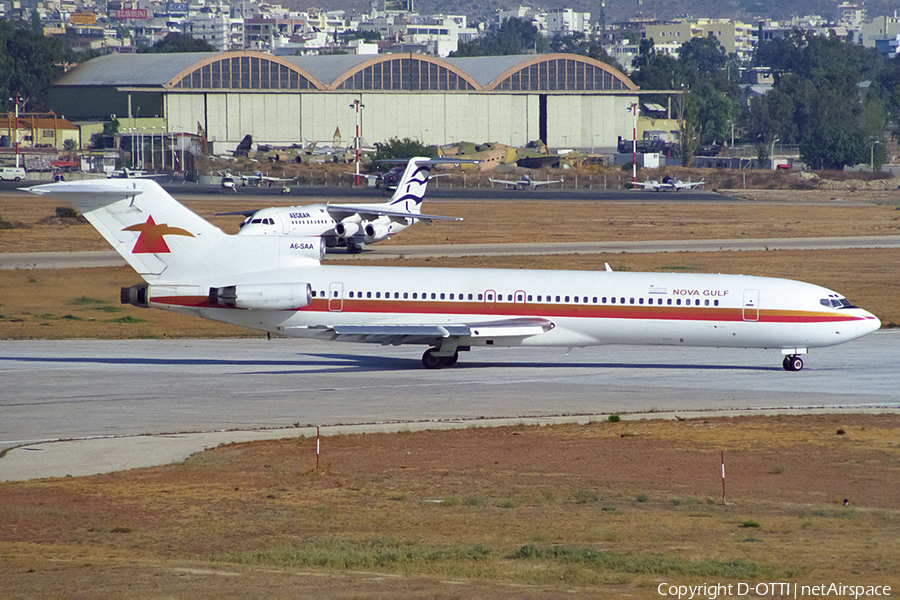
(569, 101)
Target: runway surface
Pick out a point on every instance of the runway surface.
(56, 390)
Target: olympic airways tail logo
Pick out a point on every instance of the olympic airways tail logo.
(419, 178)
(150, 240)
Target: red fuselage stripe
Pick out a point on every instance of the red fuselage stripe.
(584, 311)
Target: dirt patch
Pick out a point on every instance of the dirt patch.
(763, 214)
(577, 511)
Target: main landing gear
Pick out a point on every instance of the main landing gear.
(792, 363)
(430, 360)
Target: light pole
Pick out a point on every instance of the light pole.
(872, 156)
(357, 104)
(16, 134)
(634, 113)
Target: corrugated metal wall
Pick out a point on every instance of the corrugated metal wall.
(584, 121)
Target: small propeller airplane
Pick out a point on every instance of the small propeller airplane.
(278, 284)
(257, 178)
(126, 173)
(667, 184)
(228, 182)
(351, 226)
(524, 182)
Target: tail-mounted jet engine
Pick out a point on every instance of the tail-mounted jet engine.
(136, 295)
(273, 296)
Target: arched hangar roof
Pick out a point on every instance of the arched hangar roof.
(256, 71)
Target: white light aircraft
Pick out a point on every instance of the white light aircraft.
(126, 173)
(228, 182)
(277, 284)
(258, 179)
(524, 182)
(350, 225)
(667, 184)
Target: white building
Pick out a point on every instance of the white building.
(213, 28)
(565, 21)
(438, 35)
(880, 28)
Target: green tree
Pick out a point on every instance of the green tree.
(515, 36)
(819, 98)
(37, 27)
(702, 57)
(687, 112)
(580, 44)
(29, 64)
(656, 70)
(833, 146)
(405, 148)
(771, 117)
(178, 42)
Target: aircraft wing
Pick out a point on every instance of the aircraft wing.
(339, 212)
(688, 185)
(647, 185)
(413, 333)
(244, 213)
(537, 183)
(361, 175)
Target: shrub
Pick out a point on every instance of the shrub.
(66, 212)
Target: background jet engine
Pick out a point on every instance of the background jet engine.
(375, 231)
(347, 229)
(273, 296)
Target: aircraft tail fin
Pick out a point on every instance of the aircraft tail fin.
(411, 189)
(163, 240)
(138, 218)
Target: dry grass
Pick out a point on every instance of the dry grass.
(597, 510)
(600, 510)
(764, 214)
(84, 302)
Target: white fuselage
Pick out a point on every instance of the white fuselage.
(585, 308)
(315, 221)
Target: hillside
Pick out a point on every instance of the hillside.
(619, 10)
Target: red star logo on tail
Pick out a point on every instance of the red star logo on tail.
(151, 239)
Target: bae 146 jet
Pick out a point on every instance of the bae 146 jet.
(278, 284)
(350, 226)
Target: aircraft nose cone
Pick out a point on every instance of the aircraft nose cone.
(873, 322)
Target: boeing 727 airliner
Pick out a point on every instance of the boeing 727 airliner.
(278, 284)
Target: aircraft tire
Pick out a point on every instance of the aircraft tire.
(792, 363)
(430, 361)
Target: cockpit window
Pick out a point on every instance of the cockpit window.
(836, 303)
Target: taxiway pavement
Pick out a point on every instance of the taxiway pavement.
(130, 403)
(72, 260)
